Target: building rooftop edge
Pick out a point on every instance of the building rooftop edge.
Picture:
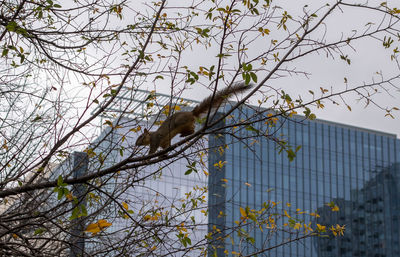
(343, 125)
(357, 127)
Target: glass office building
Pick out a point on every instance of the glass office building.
(356, 168)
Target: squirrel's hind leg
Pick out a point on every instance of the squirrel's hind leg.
(187, 130)
(165, 143)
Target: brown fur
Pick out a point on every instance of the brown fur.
(183, 123)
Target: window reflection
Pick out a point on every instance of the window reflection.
(355, 168)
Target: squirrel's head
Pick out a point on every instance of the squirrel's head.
(143, 139)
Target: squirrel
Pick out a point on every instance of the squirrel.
(183, 123)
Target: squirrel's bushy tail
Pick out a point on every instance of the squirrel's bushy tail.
(219, 98)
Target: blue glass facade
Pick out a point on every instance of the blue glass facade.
(358, 169)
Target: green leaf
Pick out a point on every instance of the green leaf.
(290, 154)
(84, 211)
(60, 193)
(21, 31)
(307, 112)
(37, 118)
(223, 55)
(5, 52)
(191, 167)
(12, 26)
(247, 80)
(60, 181)
(251, 128)
(22, 56)
(251, 240)
(75, 213)
(188, 240)
(38, 231)
(253, 76)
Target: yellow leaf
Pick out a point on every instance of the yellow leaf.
(321, 228)
(247, 184)
(125, 205)
(286, 214)
(307, 228)
(297, 225)
(333, 206)
(220, 164)
(316, 215)
(104, 224)
(395, 11)
(338, 230)
(95, 228)
(109, 123)
(333, 229)
(138, 128)
(90, 152)
(70, 196)
(5, 145)
(243, 212)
